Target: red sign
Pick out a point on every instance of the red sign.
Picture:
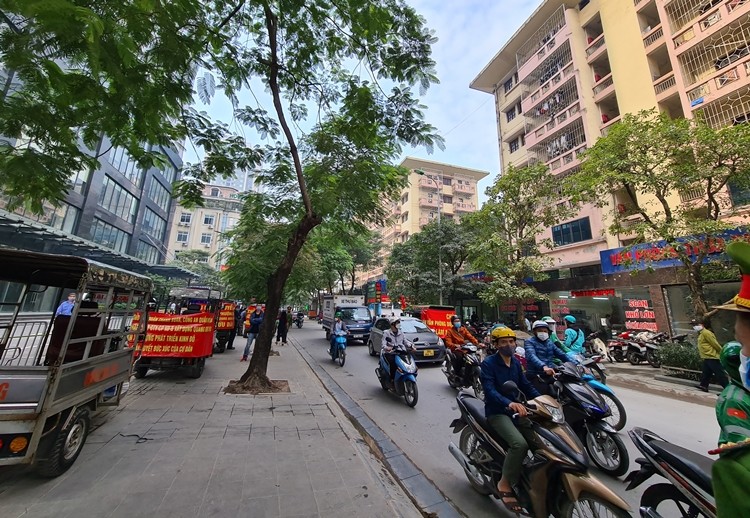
(640, 316)
(439, 320)
(226, 317)
(183, 336)
(593, 293)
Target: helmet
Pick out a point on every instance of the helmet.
(730, 360)
(549, 320)
(338, 314)
(455, 317)
(570, 319)
(394, 320)
(502, 332)
(538, 324)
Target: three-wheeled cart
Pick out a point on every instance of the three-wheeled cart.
(225, 325)
(57, 369)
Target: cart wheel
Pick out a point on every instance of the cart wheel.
(67, 444)
(196, 370)
(140, 372)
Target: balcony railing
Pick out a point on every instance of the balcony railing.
(665, 84)
(595, 45)
(425, 202)
(462, 187)
(428, 183)
(653, 37)
(464, 207)
(698, 92)
(691, 194)
(603, 84)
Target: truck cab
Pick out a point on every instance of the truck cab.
(357, 317)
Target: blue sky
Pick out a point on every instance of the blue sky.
(470, 32)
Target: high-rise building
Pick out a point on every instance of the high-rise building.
(571, 71)
(434, 188)
(203, 228)
(243, 181)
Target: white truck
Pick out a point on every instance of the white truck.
(355, 314)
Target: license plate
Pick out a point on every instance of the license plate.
(356, 336)
(429, 352)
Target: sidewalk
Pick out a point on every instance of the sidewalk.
(180, 447)
(648, 379)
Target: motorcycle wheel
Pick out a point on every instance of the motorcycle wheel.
(589, 505)
(411, 394)
(608, 452)
(658, 494)
(619, 416)
(653, 359)
(468, 445)
(618, 357)
(633, 358)
(476, 384)
(450, 374)
(342, 357)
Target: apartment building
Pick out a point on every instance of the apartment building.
(203, 228)
(570, 72)
(435, 189)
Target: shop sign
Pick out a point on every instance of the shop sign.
(662, 255)
(527, 306)
(477, 276)
(593, 293)
(639, 315)
(376, 290)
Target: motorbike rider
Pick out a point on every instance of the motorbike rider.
(541, 352)
(499, 410)
(394, 342)
(574, 337)
(337, 327)
(553, 334)
(454, 339)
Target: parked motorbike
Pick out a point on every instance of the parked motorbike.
(404, 383)
(554, 481)
(338, 351)
(586, 412)
(618, 347)
(642, 348)
(688, 473)
(470, 375)
(299, 320)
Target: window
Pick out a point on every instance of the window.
(79, 179)
(510, 83)
(159, 194)
(447, 199)
(148, 253)
(572, 232)
(153, 225)
(215, 192)
(117, 200)
(109, 236)
(208, 219)
(447, 180)
(186, 218)
(404, 198)
(182, 236)
(514, 145)
(205, 239)
(510, 114)
(124, 163)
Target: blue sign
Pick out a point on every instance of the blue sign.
(662, 255)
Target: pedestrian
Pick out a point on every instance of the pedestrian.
(709, 351)
(66, 306)
(285, 318)
(172, 308)
(256, 321)
(527, 324)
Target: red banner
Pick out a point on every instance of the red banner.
(183, 336)
(439, 320)
(226, 317)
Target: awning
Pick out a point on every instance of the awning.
(23, 234)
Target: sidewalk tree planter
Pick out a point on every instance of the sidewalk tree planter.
(681, 361)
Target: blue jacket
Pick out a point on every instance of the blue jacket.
(494, 374)
(255, 322)
(541, 354)
(574, 339)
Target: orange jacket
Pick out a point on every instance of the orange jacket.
(455, 338)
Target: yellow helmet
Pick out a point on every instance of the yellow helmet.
(502, 332)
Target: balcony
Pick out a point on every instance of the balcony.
(604, 88)
(396, 210)
(423, 221)
(548, 37)
(689, 195)
(566, 73)
(607, 125)
(464, 188)
(464, 207)
(653, 38)
(665, 86)
(426, 202)
(697, 22)
(595, 49)
(720, 84)
(554, 123)
(428, 183)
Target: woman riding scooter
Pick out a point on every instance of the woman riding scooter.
(540, 356)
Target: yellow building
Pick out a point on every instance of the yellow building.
(443, 189)
(203, 228)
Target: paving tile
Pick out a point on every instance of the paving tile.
(299, 503)
(329, 500)
(263, 507)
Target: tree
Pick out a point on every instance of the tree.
(651, 162)
(85, 76)
(509, 246)
(412, 267)
(197, 262)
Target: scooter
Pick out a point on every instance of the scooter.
(338, 350)
(688, 473)
(555, 478)
(640, 350)
(298, 320)
(586, 411)
(618, 347)
(471, 375)
(404, 383)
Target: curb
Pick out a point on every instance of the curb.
(687, 383)
(420, 489)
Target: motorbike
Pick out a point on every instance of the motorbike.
(338, 350)
(404, 383)
(642, 348)
(470, 375)
(586, 412)
(688, 473)
(299, 320)
(618, 347)
(555, 478)
(618, 417)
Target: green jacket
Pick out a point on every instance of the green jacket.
(730, 475)
(708, 345)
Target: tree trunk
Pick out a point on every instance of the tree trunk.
(695, 283)
(255, 375)
(354, 279)
(520, 314)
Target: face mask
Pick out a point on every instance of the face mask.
(542, 336)
(506, 350)
(456, 324)
(697, 328)
(397, 326)
(744, 368)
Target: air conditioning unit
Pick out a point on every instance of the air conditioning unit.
(207, 245)
(211, 227)
(184, 244)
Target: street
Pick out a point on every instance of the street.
(423, 432)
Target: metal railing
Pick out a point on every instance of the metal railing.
(595, 45)
(25, 343)
(665, 84)
(603, 84)
(653, 37)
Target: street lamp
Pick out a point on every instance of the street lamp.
(440, 244)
